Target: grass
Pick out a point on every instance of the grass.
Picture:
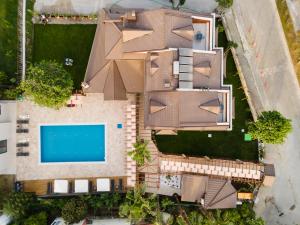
(29, 30)
(292, 38)
(57, 42)
(6, 186)
(8, 37)
(224, 145)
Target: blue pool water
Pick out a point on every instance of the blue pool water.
(72, 143)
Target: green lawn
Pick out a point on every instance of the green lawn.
(57, 42)
(225, 145)
(8, 37)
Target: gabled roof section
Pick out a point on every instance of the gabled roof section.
(220, 194)
(97, 83)
(186, 32)
(112, 36)
(212, 106)
(156, 106)
(154, 67)
(130, 34)
(114, 88)
(203, 68)
(132, 72)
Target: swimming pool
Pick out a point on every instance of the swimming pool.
(72, 143)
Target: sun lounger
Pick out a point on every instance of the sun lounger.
(112, 185)
(81, 186)
(23, 144)
(23, 121)
(22, 154)
(61, 186)
(21, 130)
(186, 52)
(186, 84)
(185, 76)
(103, 184)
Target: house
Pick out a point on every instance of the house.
(168, 57)
(7, 137)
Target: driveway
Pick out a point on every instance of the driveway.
(87, 7)
(266, 64)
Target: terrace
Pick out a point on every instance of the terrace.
(217, 144)
(93, 110)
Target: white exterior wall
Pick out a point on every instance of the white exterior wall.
(8, 132)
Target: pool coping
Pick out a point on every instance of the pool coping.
(70, 163)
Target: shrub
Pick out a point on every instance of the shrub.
(225, 3)
(12, 93)
(48, 84)
(271, 127)
(74, 211)
(18, 205)
(37, 219)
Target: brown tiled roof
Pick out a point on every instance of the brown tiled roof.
(193, 187)
(138, 51)
(186, 32)
(183, 108)
(220, 194)
(114, 88)
(217, 193)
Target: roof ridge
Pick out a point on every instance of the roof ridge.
(226, 196)
(220, 200)
(222, 186)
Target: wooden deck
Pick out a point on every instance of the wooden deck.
(40, 187)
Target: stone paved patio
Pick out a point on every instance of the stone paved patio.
(93, 110)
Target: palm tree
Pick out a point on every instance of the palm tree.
(137, 206)
(140, 153)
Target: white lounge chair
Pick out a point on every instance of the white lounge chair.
(103, 184)
(61, 186)
(81, 186)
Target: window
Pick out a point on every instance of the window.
(3, 146)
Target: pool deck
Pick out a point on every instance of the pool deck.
(94, 110)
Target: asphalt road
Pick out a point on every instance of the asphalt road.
(93, 6)
(266, 64)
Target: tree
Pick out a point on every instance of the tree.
(141, 153)
(167, 204)
(18, 205)
(137, 206)
(48, 84)
(220, 28)
(224, 4)
(271, 127)
(176, 4)
(37, 219)
(74, 210)
(230, 45)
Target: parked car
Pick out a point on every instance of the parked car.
(4, 219)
